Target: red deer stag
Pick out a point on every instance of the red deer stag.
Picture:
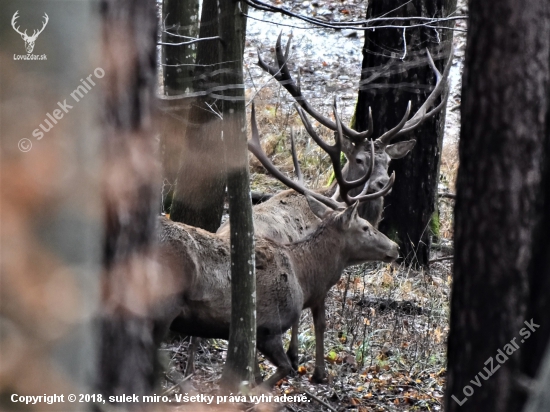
(356, 145)
(286, 217)
(290, 277)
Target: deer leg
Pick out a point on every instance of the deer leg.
(318, 312)
(191, 350)
(292, 351)
(272, 348)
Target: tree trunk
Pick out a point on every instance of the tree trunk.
(239, 366)
(130, 189)
(179, 17)
(504, 104)
(199, 195)
(537, 350)
(410, 207)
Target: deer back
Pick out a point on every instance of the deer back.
(204, 265)
(286, 218)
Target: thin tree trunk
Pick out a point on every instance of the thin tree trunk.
(411, 205)
(179, 17)
(239, 366)
(199, 195)
(504, 109)
(130, 189)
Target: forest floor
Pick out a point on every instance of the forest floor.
(387, 324)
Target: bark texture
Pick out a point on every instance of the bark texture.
(200, 188)
(242, 336)
(504, 124)
(406, 77)
(179, 18)
(130, 189)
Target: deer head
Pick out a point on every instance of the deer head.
(29, 40)
(334, 152)
(356, 145)
(363, 242)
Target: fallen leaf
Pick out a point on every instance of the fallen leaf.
(332, 356)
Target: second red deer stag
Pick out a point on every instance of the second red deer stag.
(286, 217)
(290, 277)
(356, 145)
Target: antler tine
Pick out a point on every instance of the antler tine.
(297, 169)
(369, 131)
(439, 87)
(283, 76)
(334, 152)
(267, 68)
(14, 22)
(46, 20)
(345, 186)
(382, 192)
(366, 187)
(422, 113)
(390, 134)
(255, 147)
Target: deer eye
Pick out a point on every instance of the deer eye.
(365, 228)
(359, 161)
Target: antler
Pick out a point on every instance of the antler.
(422, 113)
(13, 22)
(35, 32)
(333, 151)
(282, 75)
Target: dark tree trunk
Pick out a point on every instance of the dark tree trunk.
(539, 305)
(130, 190)
(241, 350)
(198, 198)
(410, 206)
(504, 104)
(180, 17)
(536, 354)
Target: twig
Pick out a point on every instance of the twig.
(441, 259)
(186, 43)
(358, 28)
(419, 389)
(447, 195)
(361, 24)
(177, 384)
(312, 396)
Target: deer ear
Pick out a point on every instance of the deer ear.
(319, 209)
(399, 150)
(348, 216)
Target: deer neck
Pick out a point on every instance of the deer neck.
(319, 261)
